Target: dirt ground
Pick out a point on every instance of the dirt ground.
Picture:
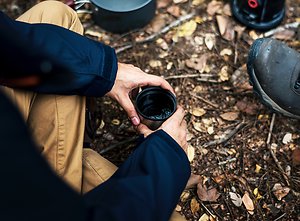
(247, 158)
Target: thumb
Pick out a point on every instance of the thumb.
(143, 129)
(129, 108)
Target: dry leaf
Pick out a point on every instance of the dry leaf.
(236, 199)
(226, 51)
(115, 122)
(257, 168)
(197, 63)
(179, 1)
(187, 29)
(195, 206)
(287, 138)
(178, 208)
(209, 40)
(213, 7)
(190, 152)
(210, 130)
(248, 203)
(230, 116)
(240, 79)
(223, 74)
(296, 156)
(227, 10)
(226, 27)
(155, 63)
(197, 111)
(184, 196)
(197, 2)
(247, 107)
(207, 194)
(174, 10)
(162, 44)
(280, 191)
(285, 35)
(198, 126)
(256, 194)
(204, 217)
(157, 23)
(193, 181)
(163, 3)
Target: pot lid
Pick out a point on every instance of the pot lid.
(120, 5)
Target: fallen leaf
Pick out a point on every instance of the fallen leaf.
(174, 10)
(197, 111)
(227, 10)
(257, 168)
(226, 51)
(178, 208)
(226, 27)
(193, 181)
(195, 206)
(207, 194)
(230, 116)
(210, 130)
(157, 23)
(209, 40)
(162, 44)
(204, 217)
(155, 63)
(213, 7)
(163, 3)
(240, 79)
(287, 138)
(197, 2)
(187, 29)
(190, 152)
(115, 122)
(296, 156)
(236, 199)
(285, 35)
(184, 196)
(247, 107)
(197, 63)
(248, 203)
(223, 74)
(179, 1)
(257, 194)
(280, 191)
(198, 126)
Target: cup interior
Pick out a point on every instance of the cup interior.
(155, 103)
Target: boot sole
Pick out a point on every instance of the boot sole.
(258, 90)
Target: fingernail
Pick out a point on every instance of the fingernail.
(135, 121)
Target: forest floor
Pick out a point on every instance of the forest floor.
(246, 157)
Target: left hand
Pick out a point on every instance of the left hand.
(128, 78)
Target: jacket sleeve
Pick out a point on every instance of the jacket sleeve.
(92, 65)
(146, 187)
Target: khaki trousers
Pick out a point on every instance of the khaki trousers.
(57, 122)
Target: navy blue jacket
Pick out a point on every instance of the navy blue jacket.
(146, 187)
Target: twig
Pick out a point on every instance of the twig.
(162, 31)
(280, 217)
(227, 161)
(187, 76)
(207, 210)
(281, 28)
(227, 136)
(285, 176)
(204, 100)
(131, 139)
(272, 152)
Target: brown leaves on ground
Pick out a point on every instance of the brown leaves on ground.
(205, 193)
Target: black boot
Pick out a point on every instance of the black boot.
(274, 71)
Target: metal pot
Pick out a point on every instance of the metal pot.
(120, 16)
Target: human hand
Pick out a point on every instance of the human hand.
(128, 78)
(175, 126)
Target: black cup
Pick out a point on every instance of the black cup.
(154, 105)
(259, 14)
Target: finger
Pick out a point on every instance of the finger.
(143, 129)
(158, 81)
(129, 108)
(178, 116)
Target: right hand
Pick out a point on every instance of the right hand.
(175, 121)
